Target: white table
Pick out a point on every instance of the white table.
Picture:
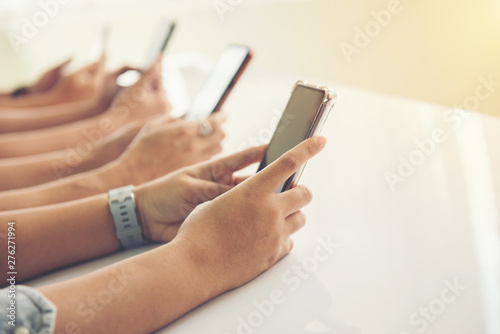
(394, 252)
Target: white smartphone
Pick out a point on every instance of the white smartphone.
(96, 51)
(161, 36)
(304, 116)
(226, 72)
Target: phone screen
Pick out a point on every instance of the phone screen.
(96, 51)
(214, 89)
(295, 123)
(158, 45)
(161, 36)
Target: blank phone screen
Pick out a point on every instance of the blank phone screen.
(295, 122)
(159, 42)
(220, 78)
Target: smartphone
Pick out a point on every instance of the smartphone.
(96, 51)
(304, 116)
(161, 37)
(160, 41)
(226, 72)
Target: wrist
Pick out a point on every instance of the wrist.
(206, 264)
(141, 210)
(92, 160)
(112, 175)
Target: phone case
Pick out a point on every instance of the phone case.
(315, 128)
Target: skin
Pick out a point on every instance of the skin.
(80, 85)
(26, 119)
(44, 83)
(31, 170)
(163, 145)
(144, 99)
(197, 265)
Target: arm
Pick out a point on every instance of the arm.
(45, 83)
(72, 227)
(176, 287)
(88, 234)
(86, 83)
(85, 132)
(78, 186)
(25, 119)
(162, 146)
(199, 264)
(142, 100)
(33, 170)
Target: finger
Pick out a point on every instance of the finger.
(280, 170)
(240, 179)
(124, 69)
(203, 190)
(294, 222)
(64, 63)
(221, 170)
(213, 139)
(58, 68)
(151, 78)
(97, 66)
(295, 198)
(162, 119)
(156, 65)
(217, 118)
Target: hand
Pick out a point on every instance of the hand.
(111, 88)
(164, 203)
(143, 99)
(166, 144)
(244, 231)
(86, 83)
(48, 80)
(111, 147)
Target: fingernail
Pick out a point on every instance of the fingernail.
(321, 141)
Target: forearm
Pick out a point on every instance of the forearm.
(71, 188)
(39, 118)
(29, 100)
(81, 133)
(163, 280)
(29, 171)
(33, 170)
(54, 236)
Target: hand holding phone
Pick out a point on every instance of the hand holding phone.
(304, 116)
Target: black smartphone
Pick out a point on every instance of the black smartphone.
(226, 72)
(304, 116)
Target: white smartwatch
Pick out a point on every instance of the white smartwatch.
(122, 206)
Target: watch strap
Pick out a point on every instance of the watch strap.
(122, 206)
